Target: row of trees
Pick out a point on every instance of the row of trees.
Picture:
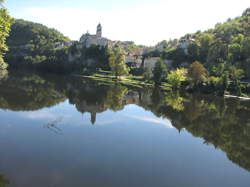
(196, 77)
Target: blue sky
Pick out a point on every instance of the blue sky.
(143, 21)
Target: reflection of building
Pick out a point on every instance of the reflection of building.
(92, 108)
(93, 117)
(97, 39)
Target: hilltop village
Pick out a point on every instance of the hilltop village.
(137, 56)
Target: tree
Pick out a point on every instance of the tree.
(5, 24)
(159, 72)
(224, 82)
(176, 77)
(117, 62)
(236, 75)
(234, 52)
(197, 73)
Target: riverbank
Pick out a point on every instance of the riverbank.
(139, 82)
(134, 81)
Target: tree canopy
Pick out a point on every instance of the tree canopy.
(5, 25)
(26, 32)
(117, 62)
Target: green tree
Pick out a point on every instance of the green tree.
(236, 75)
(5, 25)
(117, 62)
(197, 73)
(177, 76)
(224, 82)
(234, 52)
(159, 72)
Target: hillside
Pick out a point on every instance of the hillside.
(227, 43)
(26, 32)
(35, 45)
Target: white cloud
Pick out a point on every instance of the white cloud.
(40, 115)
(145, 24)
(164, 122)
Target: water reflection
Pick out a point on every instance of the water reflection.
(223, 123)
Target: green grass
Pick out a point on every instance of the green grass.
(135, 81)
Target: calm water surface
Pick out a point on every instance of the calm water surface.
(60, 131)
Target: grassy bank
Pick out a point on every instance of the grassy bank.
(135, 81)
(139, 82)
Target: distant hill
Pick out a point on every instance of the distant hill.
(26, 32)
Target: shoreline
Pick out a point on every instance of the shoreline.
(130, 81)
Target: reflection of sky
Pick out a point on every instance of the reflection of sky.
(67, 114)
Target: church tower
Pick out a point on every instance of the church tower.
(99, 31)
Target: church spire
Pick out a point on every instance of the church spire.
(99, 30)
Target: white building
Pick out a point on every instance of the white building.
(184, 44)
(97, 39)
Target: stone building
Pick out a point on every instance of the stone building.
(87, 39)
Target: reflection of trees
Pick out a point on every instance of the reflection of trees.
(174, 100)
(222, 123)
(116, 97)
(3, 181)
(28, 93)
(225, 124)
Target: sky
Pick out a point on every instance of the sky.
(145, 22)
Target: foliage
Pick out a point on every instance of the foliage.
(29, 33)
(227, 43)
(117, 62)
(159, 72)
(197, 73)
(177, 76)
(5, 25)
(35, 45)
(236, 75)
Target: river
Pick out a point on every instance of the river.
(62, 131)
